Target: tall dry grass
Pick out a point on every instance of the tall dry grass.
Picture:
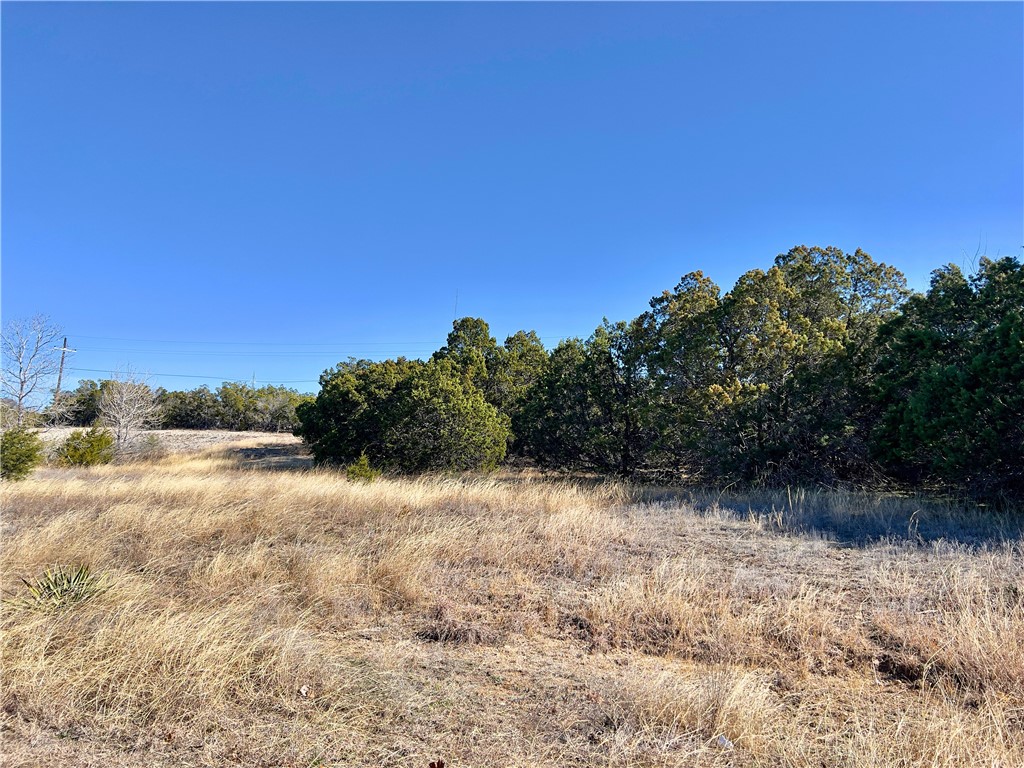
(296, 618)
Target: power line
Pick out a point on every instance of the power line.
(200, 376)
(437, 342)
(325, 353)
(225, 353)
(260, 343)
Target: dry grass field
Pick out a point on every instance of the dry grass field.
(253, 613)
(186, 440)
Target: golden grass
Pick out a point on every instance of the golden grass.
(261, 617)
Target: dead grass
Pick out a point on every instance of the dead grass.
(178, 441)
(294, 618)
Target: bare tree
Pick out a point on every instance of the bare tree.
(29, 349)
(127, 405)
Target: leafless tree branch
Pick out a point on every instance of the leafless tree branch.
(127, 405)
(30, 357)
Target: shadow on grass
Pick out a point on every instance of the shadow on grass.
(846, 517)
(856, 518)
(279, 458)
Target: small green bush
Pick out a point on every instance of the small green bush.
(20, 452)
(86, 448)
(361, 470)
(59, 588)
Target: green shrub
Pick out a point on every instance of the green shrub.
(406, 416)
(361, 470)
(59, 588)
(20, 452)
(86, 448)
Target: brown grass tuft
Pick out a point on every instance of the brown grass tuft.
(257, 616)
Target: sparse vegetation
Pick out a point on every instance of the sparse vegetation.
(297, 618)
(28, 358)
(150, 448)
(127, 406)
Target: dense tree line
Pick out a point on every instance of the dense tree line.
(232, 406)
(823, 368)
(448, 413)
(950, 382)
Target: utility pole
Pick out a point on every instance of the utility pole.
(63, 349)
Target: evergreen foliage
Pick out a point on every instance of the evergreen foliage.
(81, 406)
(950, 382)
(233, 406)
(195, 409)
(822, 368)
(354, 411)
(504, 374)
(360, 470)
(21, 451)
(404, 415)
(473, 352)
(86, 448)
(767, 383)
(444, 423)
(593, 408)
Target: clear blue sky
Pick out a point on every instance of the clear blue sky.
(329, 175)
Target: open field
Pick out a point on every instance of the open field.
(189, 440)
(256, 614)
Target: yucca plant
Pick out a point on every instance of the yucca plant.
(59, 588)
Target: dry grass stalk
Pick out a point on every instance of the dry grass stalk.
(297, 618)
